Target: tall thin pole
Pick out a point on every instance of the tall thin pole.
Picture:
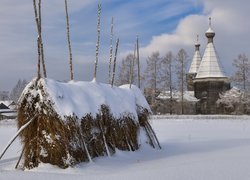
(116, 49)
(132, 68)
(138, 63)
(98, 40)
(182, 85)
(41, 41)
(68, 38)
(111, 49)
(38, 41)
(39, 59)
(170, 83)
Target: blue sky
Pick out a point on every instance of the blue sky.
(162, 25)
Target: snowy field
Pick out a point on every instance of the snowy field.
(194, 148)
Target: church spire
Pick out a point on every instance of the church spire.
(196, 58)
(197, 44)
(210, 32)
(210, 66)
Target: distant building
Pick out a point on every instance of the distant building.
(7, 110)
(164, 100)
(206, 77)
(193, 70)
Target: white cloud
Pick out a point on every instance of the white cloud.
(229, 20)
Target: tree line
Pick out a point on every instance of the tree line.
(161, 73)
(167, 73)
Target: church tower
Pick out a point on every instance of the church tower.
(194, 66)
(210, 80)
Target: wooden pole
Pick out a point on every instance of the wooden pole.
(111, 49)
(98, 40)
(69, 44)
(19, 159)
(138, 63)
(132, 68)
(16, 135)
(116, 49)
(39, 59)
(38, 41)
(41, 41)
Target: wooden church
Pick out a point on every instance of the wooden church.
(206, 76)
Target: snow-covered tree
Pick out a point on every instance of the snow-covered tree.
(181, 66)
(242, 74)
(17, 90)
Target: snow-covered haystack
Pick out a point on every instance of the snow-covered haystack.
(77, 121)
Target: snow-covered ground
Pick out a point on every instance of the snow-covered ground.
(194, 148)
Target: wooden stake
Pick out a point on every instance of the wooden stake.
(20, 157)
(98, 40)
(38, 41)
(132, 68)
(111, 49)
(41, 41)
(68, 38)
(17, 134)
(40, 44)
(116, 49)
(39, 59)
(138, 63)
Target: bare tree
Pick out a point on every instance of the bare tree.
(4, 95)
(181, 60)
(68, 38)
(98, 39)
(126, 70)
(17, 90)
(241, 76)
(167, 75)
(152, 76)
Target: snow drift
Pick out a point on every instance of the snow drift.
(77, 121)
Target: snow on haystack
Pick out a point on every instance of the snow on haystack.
(77, 121)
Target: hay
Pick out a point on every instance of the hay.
(70, 140)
